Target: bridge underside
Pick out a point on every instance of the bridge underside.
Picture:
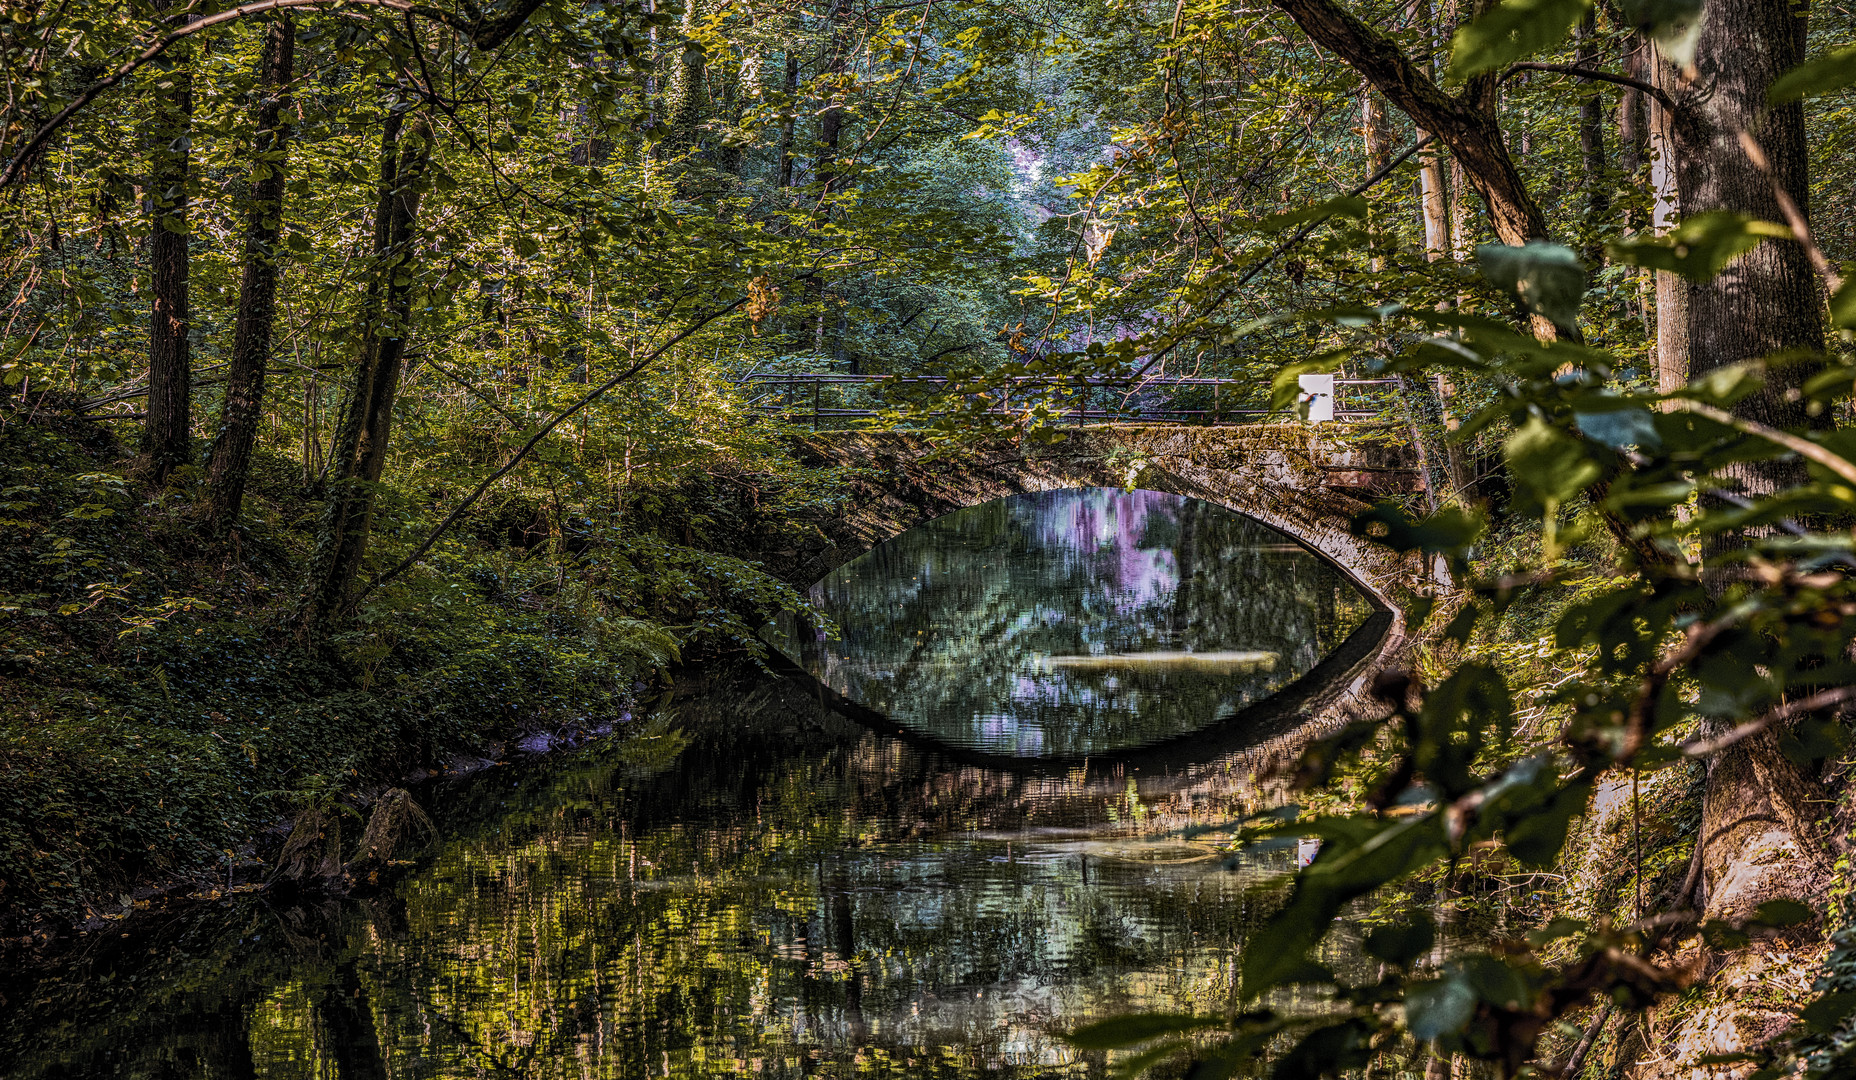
(1305, 482)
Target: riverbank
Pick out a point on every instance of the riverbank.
(161, 712)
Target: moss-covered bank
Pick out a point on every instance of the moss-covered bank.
(160, 709)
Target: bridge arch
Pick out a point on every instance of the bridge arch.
(1306, 483)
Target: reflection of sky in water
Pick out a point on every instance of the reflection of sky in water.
(952, 626)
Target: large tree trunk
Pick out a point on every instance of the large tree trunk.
(1761, 832)
(229, 463)
(362, 439)
(166, 437)
(1768, 300)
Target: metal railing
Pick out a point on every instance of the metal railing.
(820, 397)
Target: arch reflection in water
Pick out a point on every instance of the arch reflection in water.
(1059, 624)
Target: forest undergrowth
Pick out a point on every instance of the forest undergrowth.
(162, 718)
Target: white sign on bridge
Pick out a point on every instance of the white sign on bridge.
(1317, 399)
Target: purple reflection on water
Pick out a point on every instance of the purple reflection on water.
(1098, 520)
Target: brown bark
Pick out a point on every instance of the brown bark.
(362, 439)
(1632, 138)
(831, 120)
(786, 125)
(229, 462)
(1671, 292)
(1768, 300)
(1465, 122)
(167, 435)
(1592, 143)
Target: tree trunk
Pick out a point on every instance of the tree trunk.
(167, 435)
(786, 124)
(1671, 292)
(1761, 831)
(831, 120)
(1592, 145)
(229, 462)
(1768, 300)
(683, 97)
(362, 438)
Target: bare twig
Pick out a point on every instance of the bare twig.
(1801, 227)
(1823, 699)
(1804, 448)
(534, 440)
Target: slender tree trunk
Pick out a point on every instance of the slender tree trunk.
(683, 97)
(1592, 145)
(1671, 292)
(786, 125)
(1376, 127)
(363, 436)
(229, 462)
(167, 435)
(831, 120)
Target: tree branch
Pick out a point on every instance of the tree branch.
(483, 36)
(1823, 699)
(1662, 97)
(534, 440)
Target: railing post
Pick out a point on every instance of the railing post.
(816, 387)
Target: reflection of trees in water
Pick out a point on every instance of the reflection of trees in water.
(789, 895)
(942, 626)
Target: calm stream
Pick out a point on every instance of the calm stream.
(754, 883)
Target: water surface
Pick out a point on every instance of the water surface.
(745, 886)
(1060, 624)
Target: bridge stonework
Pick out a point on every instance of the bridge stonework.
(1307, 482)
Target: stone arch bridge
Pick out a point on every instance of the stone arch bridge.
(1307, 482)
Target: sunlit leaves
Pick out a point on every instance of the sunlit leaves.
(1511, 30)
(1826, 74)
(1547, 279)
(1547, 463)
(1675, 25)
(1701, 246)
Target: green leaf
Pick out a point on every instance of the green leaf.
(1535, 839)
(1827, 74)
(1140, 1027)
(1781, 913)
(1843, 302)
(1547, 279)
(1327, 1051)
(1436, 1009)
(1390, 851)
(1829, 1012)
(1675, 25)
(1549, 463)
(1401, 943)
(1350, 206)
(1283, 386)
(1620, 428)
(1448, 531)
(1701, 246)
(1510, 31)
